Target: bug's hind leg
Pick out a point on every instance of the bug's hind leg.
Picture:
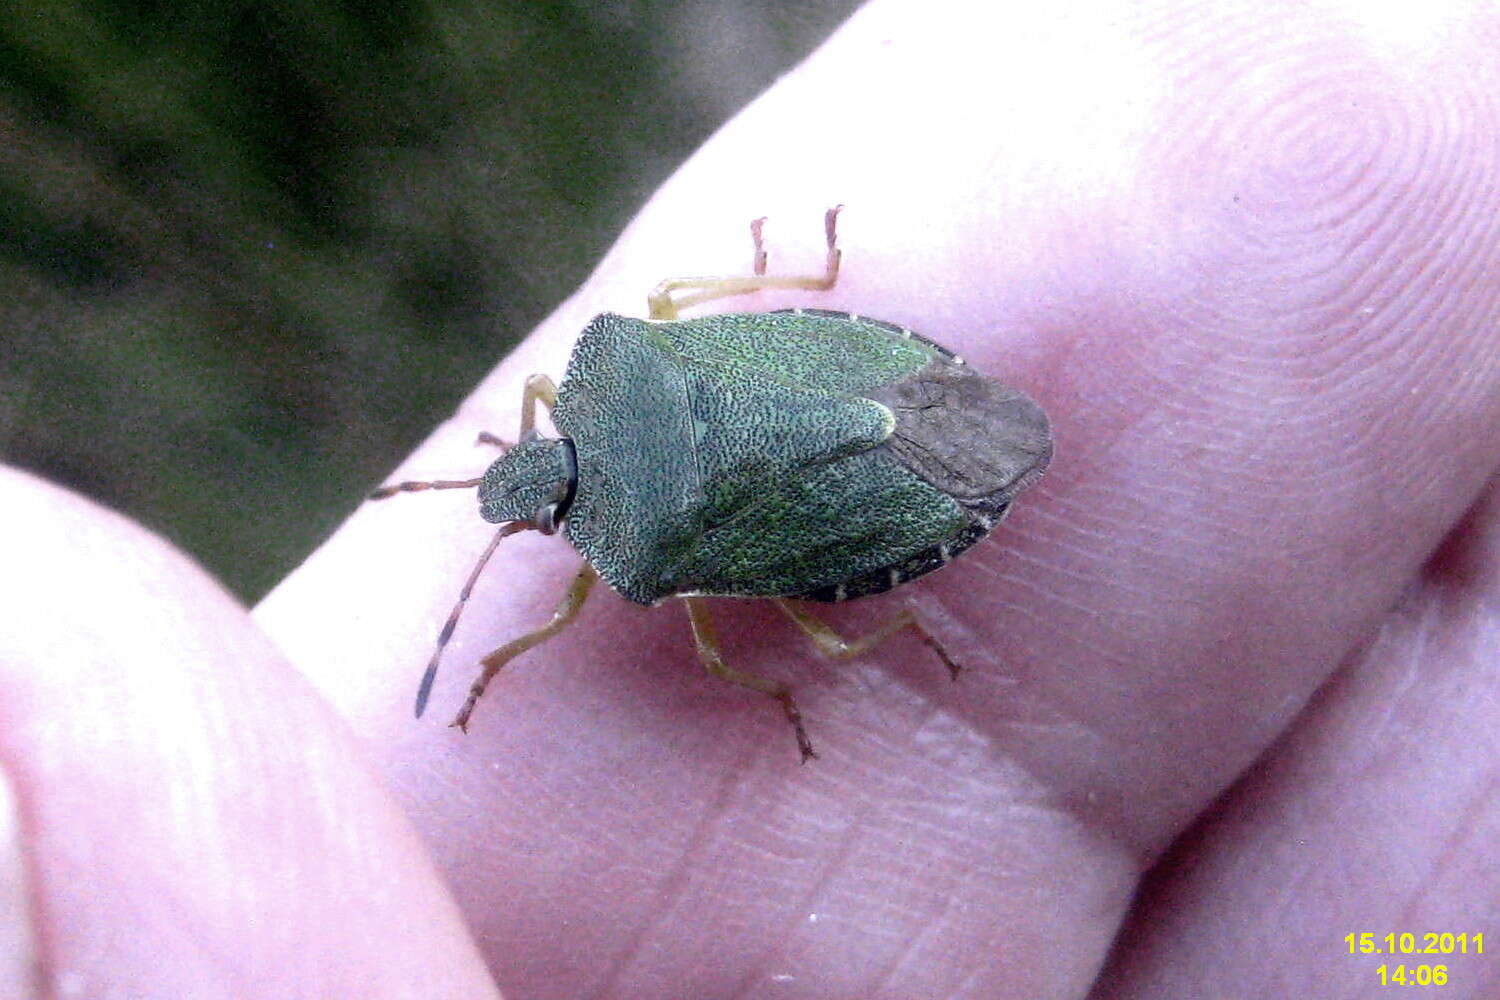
(675, 294)
(835, 646)
(708, 651)
(567, 610)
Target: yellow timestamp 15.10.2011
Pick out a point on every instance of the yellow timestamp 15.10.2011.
(1407, 943)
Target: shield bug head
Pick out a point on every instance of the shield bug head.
(531, 483)
(799, 455)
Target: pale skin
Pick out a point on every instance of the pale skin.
(1231, 667)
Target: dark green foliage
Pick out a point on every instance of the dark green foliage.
(251, 253)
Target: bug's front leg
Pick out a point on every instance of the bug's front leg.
(835, 646)
(567, 610)
(420, 485)
(675, 294)
(708, 651)
(538, 387)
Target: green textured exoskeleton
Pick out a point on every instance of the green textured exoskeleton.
(801, 454)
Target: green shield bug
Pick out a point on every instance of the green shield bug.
(797, 455)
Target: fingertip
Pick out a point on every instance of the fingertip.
(19, 959)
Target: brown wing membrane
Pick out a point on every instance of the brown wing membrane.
(975, 439)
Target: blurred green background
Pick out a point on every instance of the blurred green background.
(251, 253)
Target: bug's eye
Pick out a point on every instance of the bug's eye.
(546, 518)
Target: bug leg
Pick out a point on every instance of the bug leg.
(417, 486)
(708, 651)
(835, 646)
(675, 294)
(538, 387)
(567, 610)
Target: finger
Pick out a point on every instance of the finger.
(1376, 816)
(1229, 331)
(194, 822)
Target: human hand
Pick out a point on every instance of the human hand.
(1249, 273)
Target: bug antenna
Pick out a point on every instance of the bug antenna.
(410, 486)
(425, 688)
